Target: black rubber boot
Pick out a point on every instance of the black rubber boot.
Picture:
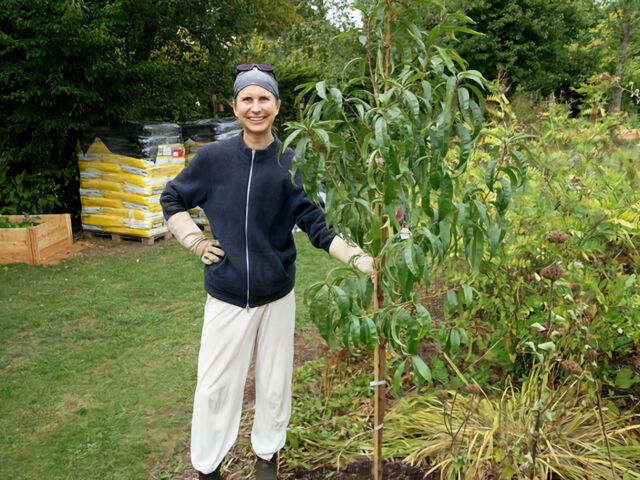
(267, 469)
(215, 475)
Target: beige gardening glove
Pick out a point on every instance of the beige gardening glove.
(351, 255)
(190, 236)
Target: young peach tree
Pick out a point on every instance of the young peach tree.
(389, 144)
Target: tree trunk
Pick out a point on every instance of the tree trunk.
(623, 48)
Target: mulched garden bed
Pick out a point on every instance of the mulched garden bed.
(361, 470)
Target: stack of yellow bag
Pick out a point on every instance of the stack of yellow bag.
(121, 194)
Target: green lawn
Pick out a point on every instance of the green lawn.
(98, 359)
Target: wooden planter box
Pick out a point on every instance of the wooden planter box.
(34, 245)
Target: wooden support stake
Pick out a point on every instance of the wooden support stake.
(378, 407)
(379, 364)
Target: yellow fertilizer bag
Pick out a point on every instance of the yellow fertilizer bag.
(99, 201)
(99, 183)
(132, 214)
(102, 220)
(134, 198)
(169, 170)
(84, 166)
(124, 160)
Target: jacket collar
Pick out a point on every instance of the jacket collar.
(271, 150)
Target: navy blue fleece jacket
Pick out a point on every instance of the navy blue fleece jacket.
(252, 204)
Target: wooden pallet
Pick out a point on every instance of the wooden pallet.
(117, 237)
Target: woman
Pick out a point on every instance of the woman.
(245, 188)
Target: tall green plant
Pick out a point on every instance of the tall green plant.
(390, 144)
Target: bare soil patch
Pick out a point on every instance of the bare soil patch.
(361, 470)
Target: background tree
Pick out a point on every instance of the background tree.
(60, 71)
(67, 65)
(523, 41)
(610, 50)
(629, 22)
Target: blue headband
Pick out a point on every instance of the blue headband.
(255, 77)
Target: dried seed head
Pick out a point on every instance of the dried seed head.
(557, 236)
(591, 355)
(575, 287)
(442, 396)
(553, 272)
(571, 367)
(472, 389)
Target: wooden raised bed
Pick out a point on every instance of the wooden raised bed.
(34, 245)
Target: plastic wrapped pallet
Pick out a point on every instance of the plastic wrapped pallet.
(122, 177)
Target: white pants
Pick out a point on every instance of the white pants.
(230, 335)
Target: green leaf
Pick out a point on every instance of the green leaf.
(482, 211)
(290, 138)
(451, 301)
(477, 118)
(445, 204)
(504, 195)
(494, 239)
(324, 137)
(625, 378)
(454, 341)
(424, 317)
(337, 96)
(322, 89)
(354, 328)
(422, 370)
(439, 371)
(434, 33)
(345, 331)
(547, 346)
(467, 294)
(473, 75)
(447, 61)
(465, 145)
(381, 130)
(477, 248)
(412, 101)
(490, 174)
(416, 34)
(413, 337)
(463, 98)
(397, 377)
(426, 94)
(370, 337)
(342, 299)
(409, 260)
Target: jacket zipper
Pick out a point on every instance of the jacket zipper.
(246, 223)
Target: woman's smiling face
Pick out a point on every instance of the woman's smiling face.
(256, 109)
